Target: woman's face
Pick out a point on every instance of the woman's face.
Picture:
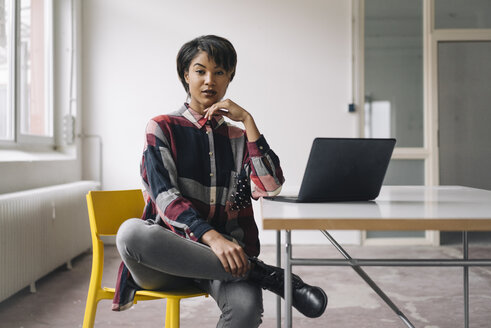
(207, 82)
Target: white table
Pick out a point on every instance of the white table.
(442, 208)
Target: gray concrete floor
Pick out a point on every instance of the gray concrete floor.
(430, 297)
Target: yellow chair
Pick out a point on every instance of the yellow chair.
(107, 211)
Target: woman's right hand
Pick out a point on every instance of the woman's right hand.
(231, 255)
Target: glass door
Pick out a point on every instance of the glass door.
(393, 83)
(464, 113)
(410, 57)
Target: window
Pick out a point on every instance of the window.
(469, 14)
(26, 114)
(394, 71)
(6, 115)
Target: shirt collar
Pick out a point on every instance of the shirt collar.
(199, 120)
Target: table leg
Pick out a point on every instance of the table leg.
(278, 264)
(288, 279)
(368, 280)
(465, 246)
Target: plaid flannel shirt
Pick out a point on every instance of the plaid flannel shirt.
(200, 175)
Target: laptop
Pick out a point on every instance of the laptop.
(344, 169)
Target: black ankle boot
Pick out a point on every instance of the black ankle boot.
(311, 301)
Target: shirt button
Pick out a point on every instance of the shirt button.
(261, 147)
(191, 234)
(211, 174)
(212, 200)
(210, 153)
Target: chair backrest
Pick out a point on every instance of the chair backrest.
(109, 209)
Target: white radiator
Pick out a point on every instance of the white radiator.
(41, 229)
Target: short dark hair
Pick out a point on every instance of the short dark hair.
(219, 49)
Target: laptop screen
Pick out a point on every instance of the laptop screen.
(345, 169)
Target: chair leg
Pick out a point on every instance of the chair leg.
(95, 292)
(167, 314)
(172, 319)
(90, 310)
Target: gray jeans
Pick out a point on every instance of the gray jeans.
(159, 259)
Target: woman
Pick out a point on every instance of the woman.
(200, 173)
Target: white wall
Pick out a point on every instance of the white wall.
(293, 75)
